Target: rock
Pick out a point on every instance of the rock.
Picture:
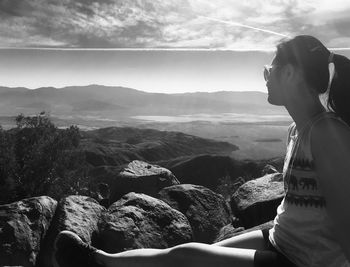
(256, 201)
(141, 177)
(23, 225)
(141, 221)
(227, 231)
(269, 169)
(206, 211)
(79, 214)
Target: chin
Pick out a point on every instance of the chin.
(274, 100)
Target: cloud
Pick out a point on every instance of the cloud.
(14, 7)
(171, 23)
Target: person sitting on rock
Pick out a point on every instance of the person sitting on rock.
(311, 227)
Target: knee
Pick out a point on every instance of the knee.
(176, 256)
(183, 251)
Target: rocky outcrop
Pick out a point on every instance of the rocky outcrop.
(79, 214)
(256, 201)
(141, 221)
(141, 177)
(206, 211)
(183, 213)
(23, 225)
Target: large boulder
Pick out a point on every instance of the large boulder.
(141, 221)
(141, 177)
(79, 214)
(256, 201)
(23, 225)
(206, 211)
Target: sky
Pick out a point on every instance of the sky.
(168, 46)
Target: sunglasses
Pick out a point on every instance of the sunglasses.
(267, 71)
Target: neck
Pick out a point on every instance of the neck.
(303, 109)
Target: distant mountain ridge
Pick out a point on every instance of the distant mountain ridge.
(116, 102)
(120, 145)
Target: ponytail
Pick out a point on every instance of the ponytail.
(339, 92)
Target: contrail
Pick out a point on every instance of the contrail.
(150, 49)
(175, 49)
(242, 25)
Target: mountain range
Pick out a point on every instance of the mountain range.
(117, 102)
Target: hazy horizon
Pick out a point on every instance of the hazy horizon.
(116, 86)
(149, 71)
(166, 47)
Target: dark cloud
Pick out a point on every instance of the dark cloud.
(15, 7)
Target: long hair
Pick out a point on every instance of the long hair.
(309, 54)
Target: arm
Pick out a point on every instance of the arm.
(330, 146)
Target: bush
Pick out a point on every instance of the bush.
(7, 163)
(37, 158)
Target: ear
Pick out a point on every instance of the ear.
(288, 72)
(292, 73)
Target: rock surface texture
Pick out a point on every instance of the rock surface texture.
(79, 214)
(141, 221)
(256, 201)
(141, 177)
(206, 211)
(23, 225)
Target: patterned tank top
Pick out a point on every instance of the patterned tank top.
(302, 229)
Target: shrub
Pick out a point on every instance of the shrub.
(38, 158)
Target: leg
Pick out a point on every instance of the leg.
(190, 254)
(71, 251)
(252, 240)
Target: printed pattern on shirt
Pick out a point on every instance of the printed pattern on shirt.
(303, 183)
(306, 201)
(303, 163)
(302, 188)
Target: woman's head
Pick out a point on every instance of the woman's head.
(308, 55)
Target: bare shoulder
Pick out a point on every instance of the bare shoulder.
(330, 133)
